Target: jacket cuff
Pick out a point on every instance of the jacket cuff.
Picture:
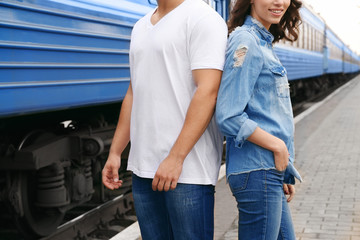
(290, 174)
(247, 128)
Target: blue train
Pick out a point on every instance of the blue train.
(318, 61)
(64, 70)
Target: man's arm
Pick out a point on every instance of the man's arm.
(110, 176)
(198, 116)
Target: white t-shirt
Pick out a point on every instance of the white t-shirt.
(162, 57)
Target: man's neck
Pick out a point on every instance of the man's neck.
(165, 6)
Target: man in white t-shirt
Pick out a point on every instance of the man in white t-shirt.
(176, 59)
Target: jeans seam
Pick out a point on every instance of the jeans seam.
(203, 213)
(205, 192)
(281, 233)
(266, 207)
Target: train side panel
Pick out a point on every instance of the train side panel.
(300, 63)
(62, 54)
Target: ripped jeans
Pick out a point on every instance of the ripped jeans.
(264, 213)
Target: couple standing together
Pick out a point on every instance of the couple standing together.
(183, 65)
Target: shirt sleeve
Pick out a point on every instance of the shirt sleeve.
(243, 64)
(207, 43)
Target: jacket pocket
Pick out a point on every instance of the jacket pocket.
(282, 84)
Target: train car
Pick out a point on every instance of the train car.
(318, 60)
(64, 70)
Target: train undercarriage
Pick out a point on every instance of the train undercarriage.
(57, 167)
(310, 89)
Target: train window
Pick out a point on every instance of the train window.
(314, 40)
(331, 48)
(304, 36)
(335, 52)
(311, 38)
(305, 43)
(319, 41)
(299, 41)
(308, 37)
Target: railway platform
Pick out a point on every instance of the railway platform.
(327, 203)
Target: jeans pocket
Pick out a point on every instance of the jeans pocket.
(238, 182)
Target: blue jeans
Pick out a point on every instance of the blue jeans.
(263, 210)
(185, 213)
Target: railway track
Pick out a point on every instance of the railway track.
(102, 222)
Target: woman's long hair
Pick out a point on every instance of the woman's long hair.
(287, 28)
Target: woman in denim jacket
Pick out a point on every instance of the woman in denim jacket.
(254, 112)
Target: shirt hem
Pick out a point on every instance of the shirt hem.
(252, 170)
(198, 181)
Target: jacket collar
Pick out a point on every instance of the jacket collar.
(250, 21)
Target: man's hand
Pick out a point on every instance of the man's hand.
(167, 174)
(289, 190)
(110, 175)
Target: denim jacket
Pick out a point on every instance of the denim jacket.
(254, 92)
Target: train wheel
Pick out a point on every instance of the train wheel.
(36, 221)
